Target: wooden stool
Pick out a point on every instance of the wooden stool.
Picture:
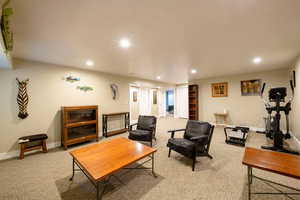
(32, 142)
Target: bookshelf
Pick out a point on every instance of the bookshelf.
(193, 102)
(79, 124)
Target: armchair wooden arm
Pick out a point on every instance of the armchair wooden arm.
(131, 125)
(176, 130)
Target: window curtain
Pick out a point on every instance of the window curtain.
(145, 101)
(181, 102)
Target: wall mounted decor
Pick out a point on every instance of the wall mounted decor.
(134, 96)
(85, 88)
(72, 79)
(251, 87)
(294, 78)
(22, 98)
(219, 89)
(114, 89)
(154, 97)
(5, 27)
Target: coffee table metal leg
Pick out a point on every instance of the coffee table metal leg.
(73, 173)
(249, 181)
(105, 182)
(153, 166)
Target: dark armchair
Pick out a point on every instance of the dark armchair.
(145, 130)
(195, 142)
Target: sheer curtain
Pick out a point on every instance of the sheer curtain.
(181, 102)
(145, 101)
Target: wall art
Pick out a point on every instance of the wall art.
(22, 98)
(251, 87)
(219, 89)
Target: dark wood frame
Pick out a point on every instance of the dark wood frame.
(25, 147)
(65, 141)
(213, 92)
(107, 133)
(193, 102)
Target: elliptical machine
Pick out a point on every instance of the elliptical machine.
(277, 96)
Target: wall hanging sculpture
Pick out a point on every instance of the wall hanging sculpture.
(5, 26)
(71, 79)
(22, 98)
(85, 88)
(219, 89)
(114, 89)
(251, 87)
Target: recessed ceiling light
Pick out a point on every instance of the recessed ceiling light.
(89, 63)
(193, 71)
(257, 60)
(124, 43)
(158, 77)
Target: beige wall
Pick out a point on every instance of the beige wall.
(48, 92)
(295, 114)
(243, 110)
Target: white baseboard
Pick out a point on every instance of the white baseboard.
(296, 140)
(13, 154)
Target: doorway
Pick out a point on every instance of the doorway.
(170, 103)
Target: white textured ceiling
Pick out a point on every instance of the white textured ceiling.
(169, 37)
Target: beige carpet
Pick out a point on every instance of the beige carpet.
(45, 176)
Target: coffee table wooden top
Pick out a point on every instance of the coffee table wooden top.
(280, 163)
(102, 159)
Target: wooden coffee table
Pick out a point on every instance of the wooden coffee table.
(278, 163)
(99, 161)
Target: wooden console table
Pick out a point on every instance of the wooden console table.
(107, 133)
(278, 163)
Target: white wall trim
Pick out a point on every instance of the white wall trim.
(296, 140)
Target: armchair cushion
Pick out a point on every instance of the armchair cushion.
(181, 145)
(196, 128)
(142, 135)
(146, 123)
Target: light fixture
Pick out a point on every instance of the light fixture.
(158, 77)
(124, 43)
(193, 71)
(89, 63)
(257, 60)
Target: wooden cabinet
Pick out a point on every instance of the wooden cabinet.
(193, 102)
(79, 124)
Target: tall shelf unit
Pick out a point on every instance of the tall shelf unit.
(193, 102)
(79, 124)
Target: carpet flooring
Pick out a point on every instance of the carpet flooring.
(46, 176)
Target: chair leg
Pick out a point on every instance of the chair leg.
(194, 163)
(169, 152)
(151, 143)
(45, 150)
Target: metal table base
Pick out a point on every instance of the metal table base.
(271, 184)
(105, 180)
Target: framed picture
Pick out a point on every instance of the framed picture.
(134, 97)
(219, 89)
(251, 87)
(294, 78)
(155, 97)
